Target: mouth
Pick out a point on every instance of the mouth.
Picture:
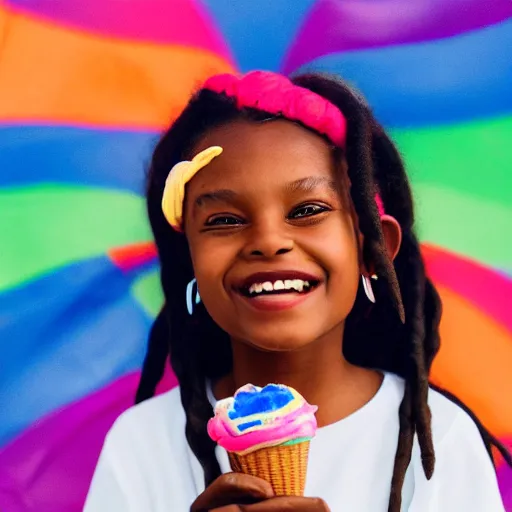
(277, 290)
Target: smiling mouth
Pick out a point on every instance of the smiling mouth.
(279, 287)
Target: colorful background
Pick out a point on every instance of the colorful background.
(85, 88)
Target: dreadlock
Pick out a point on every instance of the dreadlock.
(156, 357)
(399, 334)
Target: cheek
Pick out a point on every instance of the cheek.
(339, 255)
(337, 246)
(345, 271)
(210, 258)
(209, 272)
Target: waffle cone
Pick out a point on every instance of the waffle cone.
(284, 467)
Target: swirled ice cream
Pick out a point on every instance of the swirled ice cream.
(256, 418)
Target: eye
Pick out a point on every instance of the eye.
(223, 220)
(307, 210)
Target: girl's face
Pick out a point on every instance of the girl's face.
(273, 243)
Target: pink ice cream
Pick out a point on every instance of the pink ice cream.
(258, 418)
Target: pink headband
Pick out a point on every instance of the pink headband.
(277, 95)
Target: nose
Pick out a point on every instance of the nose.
(267, 241)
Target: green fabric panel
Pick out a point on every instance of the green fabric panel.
(148, 292)
(465, 224)
(46, 226)
(472, 158)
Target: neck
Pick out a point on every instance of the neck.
(318, 371)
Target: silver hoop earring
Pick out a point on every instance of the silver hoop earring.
(190, 294)
(367, 285)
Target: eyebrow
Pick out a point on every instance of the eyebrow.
(311, 183)
(307, 184)
(216, 196)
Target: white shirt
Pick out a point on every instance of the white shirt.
(146, 464)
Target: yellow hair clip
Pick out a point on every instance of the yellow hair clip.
(180, 175)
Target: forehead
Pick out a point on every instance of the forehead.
(276, 151)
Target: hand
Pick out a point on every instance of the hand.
(236, 492)
(281, 504)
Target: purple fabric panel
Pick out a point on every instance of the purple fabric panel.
(343, 25)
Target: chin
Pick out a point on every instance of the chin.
(279, 338)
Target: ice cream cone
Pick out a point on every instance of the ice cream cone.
(284, 466)
(267, 432)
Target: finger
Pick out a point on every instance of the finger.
(232, 488)
(286, 504)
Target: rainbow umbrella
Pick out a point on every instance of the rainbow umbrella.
(85, 89)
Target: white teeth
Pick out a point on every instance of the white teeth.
(288, 284)
(255, 288)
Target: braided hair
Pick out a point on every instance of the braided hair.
(398, 334)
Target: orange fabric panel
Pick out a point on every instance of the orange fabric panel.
(50, 73)
(3, 23)
(475, 362)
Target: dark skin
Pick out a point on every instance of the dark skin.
(272, 202)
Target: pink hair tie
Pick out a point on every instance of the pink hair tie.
(277, 95)
(380, 205)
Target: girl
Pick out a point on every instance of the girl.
(295, 198)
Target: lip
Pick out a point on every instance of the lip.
(276, 303)
(275, 275)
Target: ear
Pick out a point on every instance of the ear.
(392, 239)
(392, 235)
